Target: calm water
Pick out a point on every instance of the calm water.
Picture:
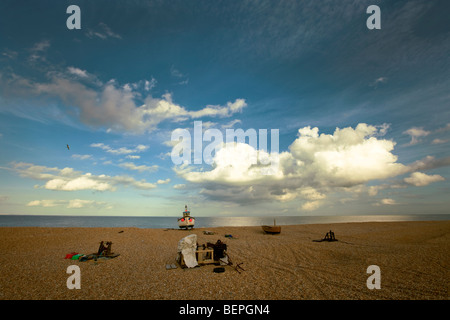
(200, 222)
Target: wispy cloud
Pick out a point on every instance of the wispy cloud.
(10, 54)
(439, 141)
(38, 51)
(140, 168)
(82, 156)
(386, 202)
(231, 124)
(418, 133)
(120, 151)
(102, 31)
(133, 157)
(378, 81)
(181, 78)
(69, 204)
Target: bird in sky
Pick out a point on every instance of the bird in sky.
(67, 147)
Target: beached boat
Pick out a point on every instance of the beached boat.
(186, 221)
(272, 229)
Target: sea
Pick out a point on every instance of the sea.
(200, 222)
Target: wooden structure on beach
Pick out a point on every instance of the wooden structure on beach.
(272, 229)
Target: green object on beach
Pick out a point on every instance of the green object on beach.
(76, 257)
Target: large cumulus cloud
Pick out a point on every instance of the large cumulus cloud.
(315, 165)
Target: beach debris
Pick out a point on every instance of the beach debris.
(228, 262)
(70, 255)
(205, 255)
(191, 255)
(121, 231)
(219, 249)
(219, 270)
(328, 237)
(230, 236)
(104, 252)
(187, 248)
(209, 233)
(171, 266)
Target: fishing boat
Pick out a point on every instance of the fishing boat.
(272, 229)
(186, 221)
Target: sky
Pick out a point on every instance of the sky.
(87, 115)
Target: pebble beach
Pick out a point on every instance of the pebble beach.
(413, 258)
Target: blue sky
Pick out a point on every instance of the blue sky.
(363, 115)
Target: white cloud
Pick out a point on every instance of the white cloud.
(420, 179)
(233, 163)
(144, 85)
(133, 157)
(222, 111)
(415, 134)
(388, 201)
(171, 143)
(44, 203)
(82, 156)
(315, 166)
(78, 72)
(115, 107)
(84, 182)
(67, 179)
(141, 168)
(70, 204)
(166, 181)
(78, 203)
(122, 150)
(179, 186)
(111, 106)
(439, 141)
(148, 85)
(311, 205)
